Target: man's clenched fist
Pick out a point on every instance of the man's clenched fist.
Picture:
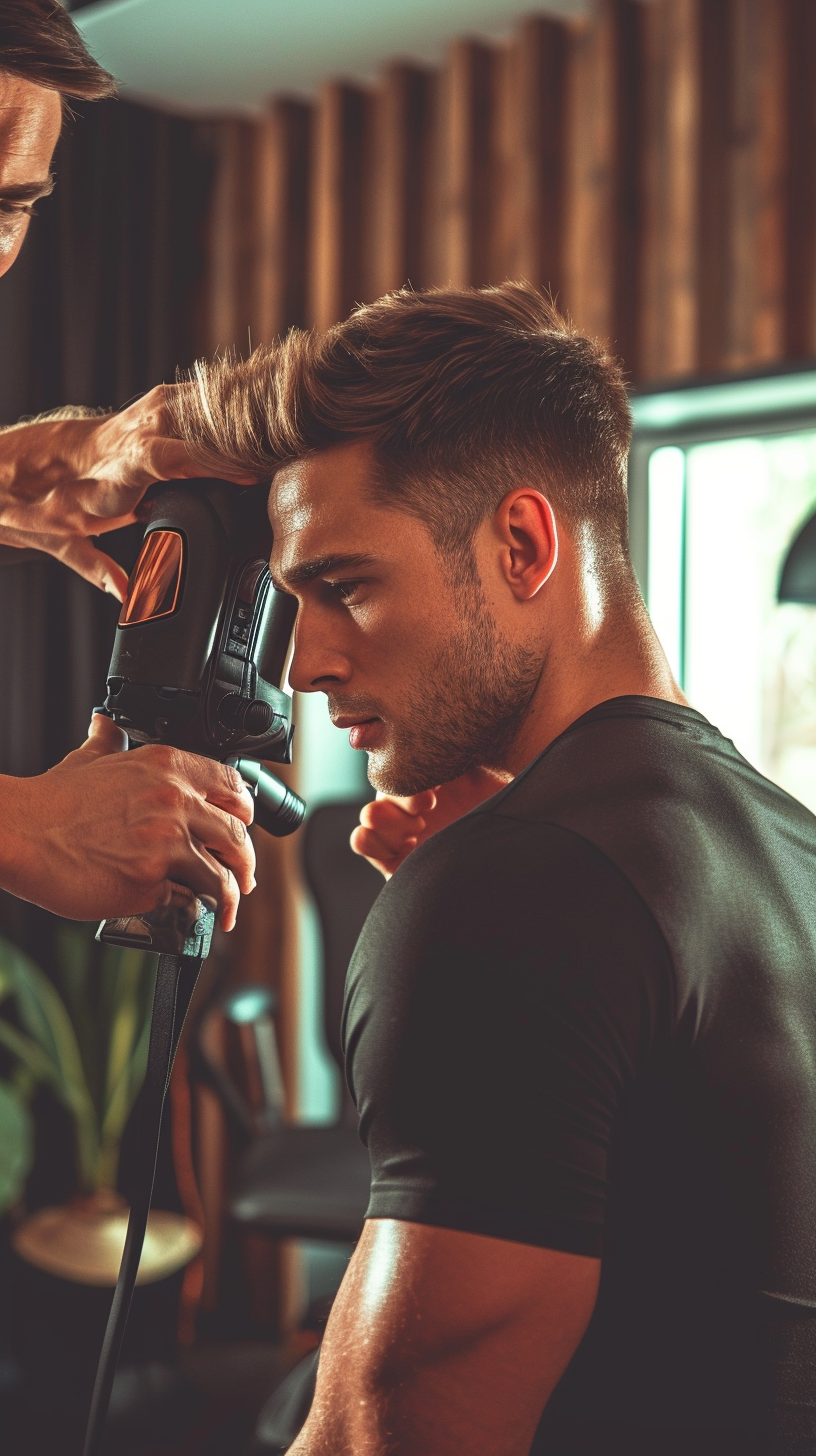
(109, 833)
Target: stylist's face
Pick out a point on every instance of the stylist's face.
(30, 122)
(412, 666)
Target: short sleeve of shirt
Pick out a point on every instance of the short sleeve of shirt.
(506, 991)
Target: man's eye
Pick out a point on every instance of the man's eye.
(345, 590)
(16, 209)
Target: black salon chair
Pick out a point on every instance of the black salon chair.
(312, 1182)
(291, 1181)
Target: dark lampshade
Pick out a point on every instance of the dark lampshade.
(797, 582)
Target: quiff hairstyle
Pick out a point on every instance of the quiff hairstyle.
(40, 43)
(465, 394)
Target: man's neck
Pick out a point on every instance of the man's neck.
(623, 659)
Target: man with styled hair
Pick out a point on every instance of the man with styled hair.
(102, 833)
(580, 1022)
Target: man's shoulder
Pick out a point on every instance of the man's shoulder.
(632, 749)
(718, 853)
(492, 876)
(638, 793)
(641, 771)
(496, 918)
(608, 778)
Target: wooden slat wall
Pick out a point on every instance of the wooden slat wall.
(466, 161)
(757, 164)
(283, 213)
(669, 313)
(653, 166)
(403, 117)
(529, 149)
(800, 241)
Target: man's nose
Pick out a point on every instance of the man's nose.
(317, 664)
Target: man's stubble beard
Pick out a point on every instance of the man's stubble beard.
(467, 706)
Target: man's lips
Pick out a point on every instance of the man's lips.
(362, 731)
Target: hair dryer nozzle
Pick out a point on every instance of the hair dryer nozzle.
(278, 809)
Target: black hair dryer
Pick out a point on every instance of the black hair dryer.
(199, 660)
(203, 640)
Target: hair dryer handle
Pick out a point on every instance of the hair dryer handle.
(278, 809)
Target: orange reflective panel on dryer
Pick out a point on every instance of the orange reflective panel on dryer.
(155, 583)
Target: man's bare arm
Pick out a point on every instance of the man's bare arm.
(63, 481)
(442, 1342)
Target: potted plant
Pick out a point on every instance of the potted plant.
(88, 1045)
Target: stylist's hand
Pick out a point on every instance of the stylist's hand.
(108, 833)
(63, 481)
(390, 827)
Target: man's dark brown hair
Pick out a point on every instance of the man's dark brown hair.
(40, 43)
(465, 394)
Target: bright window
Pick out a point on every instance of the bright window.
(721, 517)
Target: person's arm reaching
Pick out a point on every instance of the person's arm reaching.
(441, 1343)
(64, 480)
(108, 833)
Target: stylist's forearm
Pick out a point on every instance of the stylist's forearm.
(35, 460)
(51, 467)
(15, 808)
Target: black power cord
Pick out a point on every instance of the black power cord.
(176, 979)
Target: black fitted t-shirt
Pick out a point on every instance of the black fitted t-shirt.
(584, 1017)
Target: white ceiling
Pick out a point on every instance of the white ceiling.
(210, 56)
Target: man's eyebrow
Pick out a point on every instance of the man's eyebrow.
(322, 566)
(26, 191)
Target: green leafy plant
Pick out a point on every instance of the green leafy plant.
(88, 1045)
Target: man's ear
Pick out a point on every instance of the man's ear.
(526, 525)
